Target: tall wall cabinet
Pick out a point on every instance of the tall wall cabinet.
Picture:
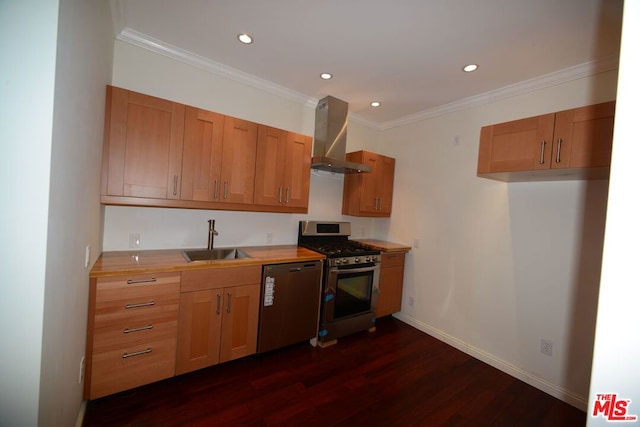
(162, 153)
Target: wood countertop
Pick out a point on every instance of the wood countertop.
(170, 260)
(385, 246)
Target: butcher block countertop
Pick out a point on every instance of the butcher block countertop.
(385, 246)
(169, 260)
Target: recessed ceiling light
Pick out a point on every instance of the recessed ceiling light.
(245, 38)
(375, 104)
(325, 76)
(469, 68)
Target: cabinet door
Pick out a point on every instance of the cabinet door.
(270, 166)
(297, 169)
(238, 160)
(199, 330)
(388, 165)
(583, 136)
(202, 155)
(520, 145)
(391, 280)
(240, 324)
(371, 183)
(143, 145)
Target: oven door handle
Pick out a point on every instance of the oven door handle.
(355, 270)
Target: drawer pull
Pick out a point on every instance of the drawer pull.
(143, 328)
(136, 353)
(133, 282)
(142, 304)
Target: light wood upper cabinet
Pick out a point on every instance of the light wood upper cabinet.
(283, 168)
(238, 160)
(218, 158)
(369, 194)
(570, 144)
(143, 146)
(202, 155)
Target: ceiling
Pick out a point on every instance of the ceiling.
(406, 54)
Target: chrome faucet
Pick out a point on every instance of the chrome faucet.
(212, 232)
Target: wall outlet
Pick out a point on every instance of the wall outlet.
(81, 372)
(134, 241)
(410, 301)
(269, 238)
(546, 347)
(87, 256)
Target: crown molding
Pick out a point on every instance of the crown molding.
(547, 80)
(144, 41)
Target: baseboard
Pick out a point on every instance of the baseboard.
(83, 408)
(571, 398)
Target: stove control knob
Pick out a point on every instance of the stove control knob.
(345, 261)
(337, 262)
(367, 259)
(356, 259)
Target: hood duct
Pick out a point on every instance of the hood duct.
(330, 138)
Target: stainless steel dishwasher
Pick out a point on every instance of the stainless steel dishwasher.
(289, 304)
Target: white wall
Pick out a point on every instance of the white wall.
(501, 266)
(28, 30)
(617, 348)
(56, 59)
(83, 67)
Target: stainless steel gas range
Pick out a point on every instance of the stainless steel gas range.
(350, 281)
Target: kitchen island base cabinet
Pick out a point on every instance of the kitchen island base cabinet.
(391, 278)
(218, 316)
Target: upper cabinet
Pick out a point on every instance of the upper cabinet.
(369, 194)
(143, 146)
(570, 144)
(283, 167)
(162, 153)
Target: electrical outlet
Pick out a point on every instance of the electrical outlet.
(546, 347)
(81, 372)
(410, 301)
(269, 238)
(87, 256)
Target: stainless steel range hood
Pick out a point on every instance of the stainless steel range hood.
(330, 138)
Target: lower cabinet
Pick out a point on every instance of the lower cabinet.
(391, 278)
(218, 316)
(133, 323)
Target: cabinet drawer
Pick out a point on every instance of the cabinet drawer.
(131, 367)
(130, 299)
(392, 259)
(212, 278)
(119, 335)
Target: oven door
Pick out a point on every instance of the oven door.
(350, 291)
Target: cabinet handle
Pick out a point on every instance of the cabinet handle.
(133, 282)
(218, 298)
(175, 185)
(286, 196)
(143, 328)
(215, 189)
(224, 196)
(229, 302)
(142, 304)
(558, 150)
(136, 353)
(543, 144)
(279, 194)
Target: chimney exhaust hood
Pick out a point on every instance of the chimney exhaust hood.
(330, 138)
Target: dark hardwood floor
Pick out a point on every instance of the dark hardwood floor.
(396, 376)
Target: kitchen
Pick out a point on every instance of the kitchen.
(460, 276)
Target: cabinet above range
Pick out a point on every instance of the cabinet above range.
(165, 154)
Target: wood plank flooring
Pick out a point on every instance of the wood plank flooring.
(395, 376)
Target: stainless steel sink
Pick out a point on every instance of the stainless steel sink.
(214, 254)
